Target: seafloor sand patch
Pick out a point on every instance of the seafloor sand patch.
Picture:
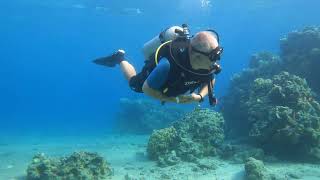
(126, 154)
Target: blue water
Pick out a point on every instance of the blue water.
(49, 85)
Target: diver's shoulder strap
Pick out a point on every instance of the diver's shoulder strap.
(156, 57)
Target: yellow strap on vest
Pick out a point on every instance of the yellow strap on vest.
(157, 52)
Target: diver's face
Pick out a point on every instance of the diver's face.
(199, 61)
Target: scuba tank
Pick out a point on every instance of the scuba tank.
(150, 47)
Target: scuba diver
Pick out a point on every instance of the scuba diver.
(176, 63)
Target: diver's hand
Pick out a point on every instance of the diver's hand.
(193, 97)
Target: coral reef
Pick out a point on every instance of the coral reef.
(197, 135)
(277, 109)
(284, 114)
(142, 116)
(234, 108)
(299, 55)
(80, 165)
(300, 52)
(162, 142)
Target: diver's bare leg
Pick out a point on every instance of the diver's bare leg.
(127, 69)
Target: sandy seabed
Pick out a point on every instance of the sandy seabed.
(126, 155)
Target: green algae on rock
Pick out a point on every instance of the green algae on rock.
(197, 135)
(79, 165)
(255, 170)
(204, 129)
(162, 142)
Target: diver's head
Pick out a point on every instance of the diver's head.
(204, 50)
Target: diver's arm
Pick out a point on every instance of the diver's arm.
(156, 93)
(204, 90)
(156, 79)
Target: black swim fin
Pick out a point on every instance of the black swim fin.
(112, 60)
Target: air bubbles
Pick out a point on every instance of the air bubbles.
(205, 3)
(79, 6)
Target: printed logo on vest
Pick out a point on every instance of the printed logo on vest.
(188, 83)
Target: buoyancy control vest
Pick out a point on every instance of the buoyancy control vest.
(179, 80)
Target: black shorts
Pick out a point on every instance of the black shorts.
(136, 82)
